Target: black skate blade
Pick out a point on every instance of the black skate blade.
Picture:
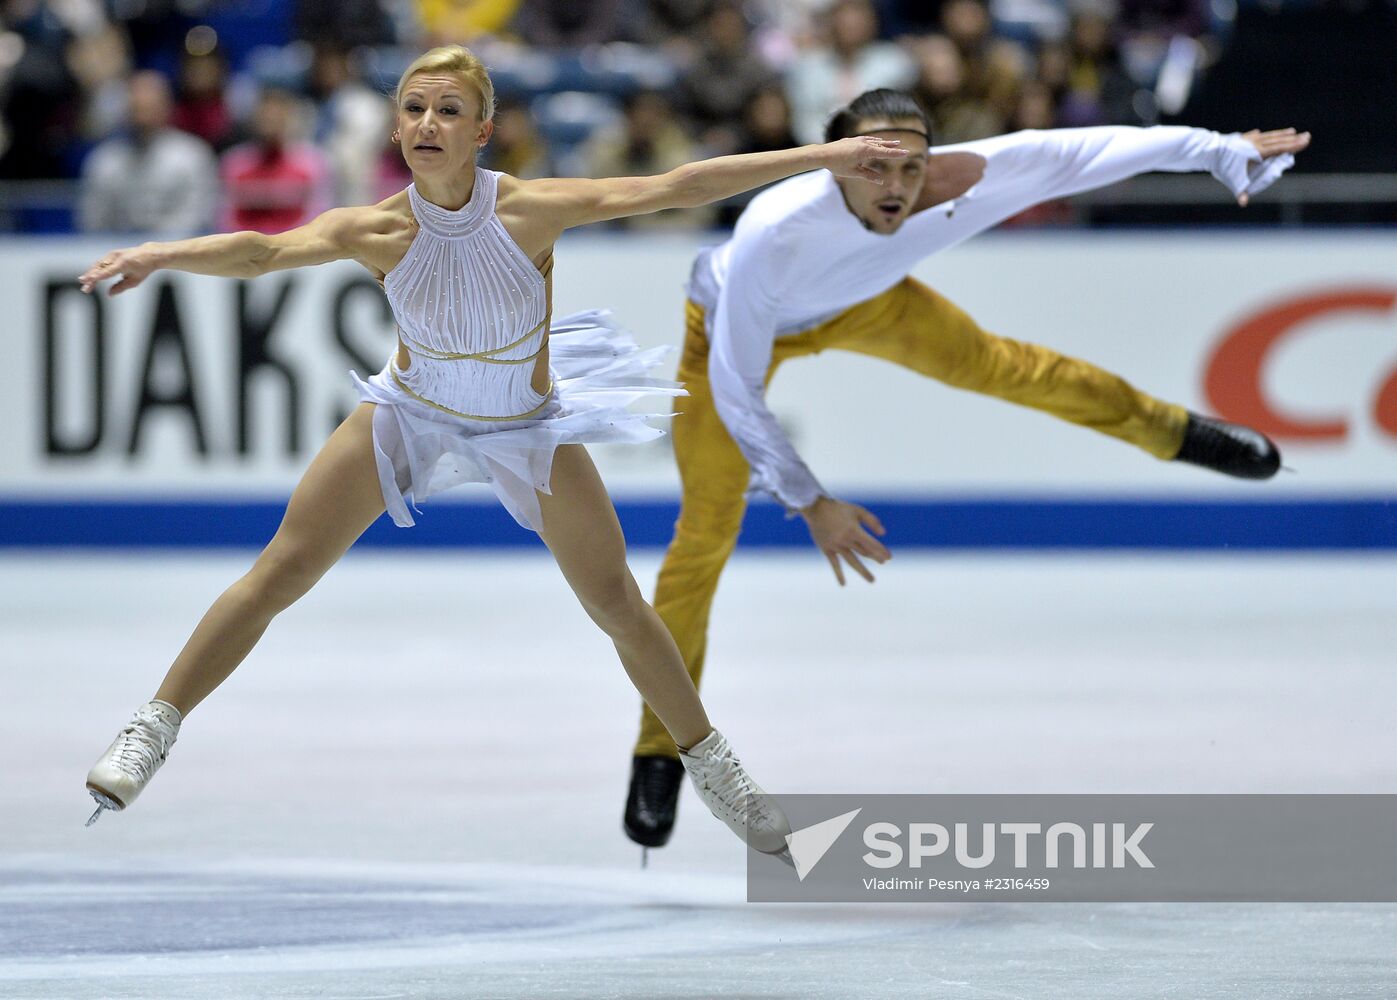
(644, 858)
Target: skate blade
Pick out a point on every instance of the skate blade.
(104, 803)
(783, 855)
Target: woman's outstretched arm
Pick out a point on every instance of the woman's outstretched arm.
(334, 235)
(571, 202)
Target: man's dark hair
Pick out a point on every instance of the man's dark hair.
(881, 103)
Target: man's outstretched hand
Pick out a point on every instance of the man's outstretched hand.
(841, 530)
(1274, 143)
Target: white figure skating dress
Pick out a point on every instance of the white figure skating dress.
(473, 313)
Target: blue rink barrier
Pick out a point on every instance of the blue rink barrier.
(991, 523)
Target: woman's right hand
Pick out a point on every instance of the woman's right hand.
(134, 264)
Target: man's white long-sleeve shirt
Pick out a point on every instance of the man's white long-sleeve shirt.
(798, 256)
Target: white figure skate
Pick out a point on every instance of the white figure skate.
(133, 758)
(731, 795)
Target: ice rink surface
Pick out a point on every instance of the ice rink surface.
(413, 787)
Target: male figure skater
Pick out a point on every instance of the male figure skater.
(819, 262)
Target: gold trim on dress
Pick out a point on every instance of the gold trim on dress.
(504, 361)
(485, 356)
(547, 398)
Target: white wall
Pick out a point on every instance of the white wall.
(1154, 308)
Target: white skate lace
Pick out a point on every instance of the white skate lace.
(139, 750)
(725, 776)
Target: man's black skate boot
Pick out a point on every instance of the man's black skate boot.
(654, 794)
(1231, 449)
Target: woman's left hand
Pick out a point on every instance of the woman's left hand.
(852, 157)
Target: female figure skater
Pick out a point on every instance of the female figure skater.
(464, 256)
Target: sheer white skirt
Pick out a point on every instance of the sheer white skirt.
(598, 372)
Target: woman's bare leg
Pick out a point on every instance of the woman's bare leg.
(581, 530)
(336, 500)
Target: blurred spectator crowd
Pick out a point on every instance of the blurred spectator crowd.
(187, 116)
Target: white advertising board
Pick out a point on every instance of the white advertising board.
(209, 387)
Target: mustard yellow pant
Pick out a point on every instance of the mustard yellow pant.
(909, 325)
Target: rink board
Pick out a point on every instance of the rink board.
(184, 412)
(970, 524)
